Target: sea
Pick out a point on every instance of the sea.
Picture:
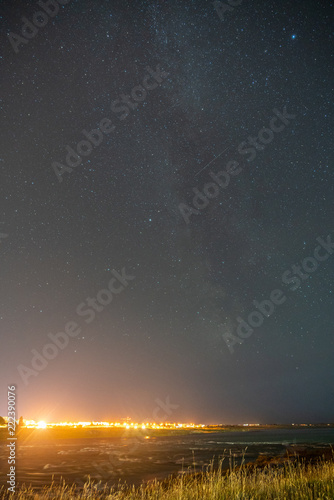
(141, 459)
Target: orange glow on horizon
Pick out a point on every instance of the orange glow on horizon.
(41, 424)
(117, 425)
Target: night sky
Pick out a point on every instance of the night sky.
(206, 189)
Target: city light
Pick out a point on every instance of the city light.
(126, 425)
(41, 424)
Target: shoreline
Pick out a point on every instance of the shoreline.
(115, 456)
(95, 432)
(303, 468)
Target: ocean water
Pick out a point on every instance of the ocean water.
(142, 459)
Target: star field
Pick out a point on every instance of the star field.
(166, 333)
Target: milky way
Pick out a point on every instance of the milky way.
(167, 194)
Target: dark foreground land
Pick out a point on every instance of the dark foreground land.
(248, 462)
(302, 473)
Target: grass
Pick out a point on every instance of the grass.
(293, 481)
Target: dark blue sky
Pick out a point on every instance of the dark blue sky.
(134, 271)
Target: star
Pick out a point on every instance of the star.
(212, 194)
